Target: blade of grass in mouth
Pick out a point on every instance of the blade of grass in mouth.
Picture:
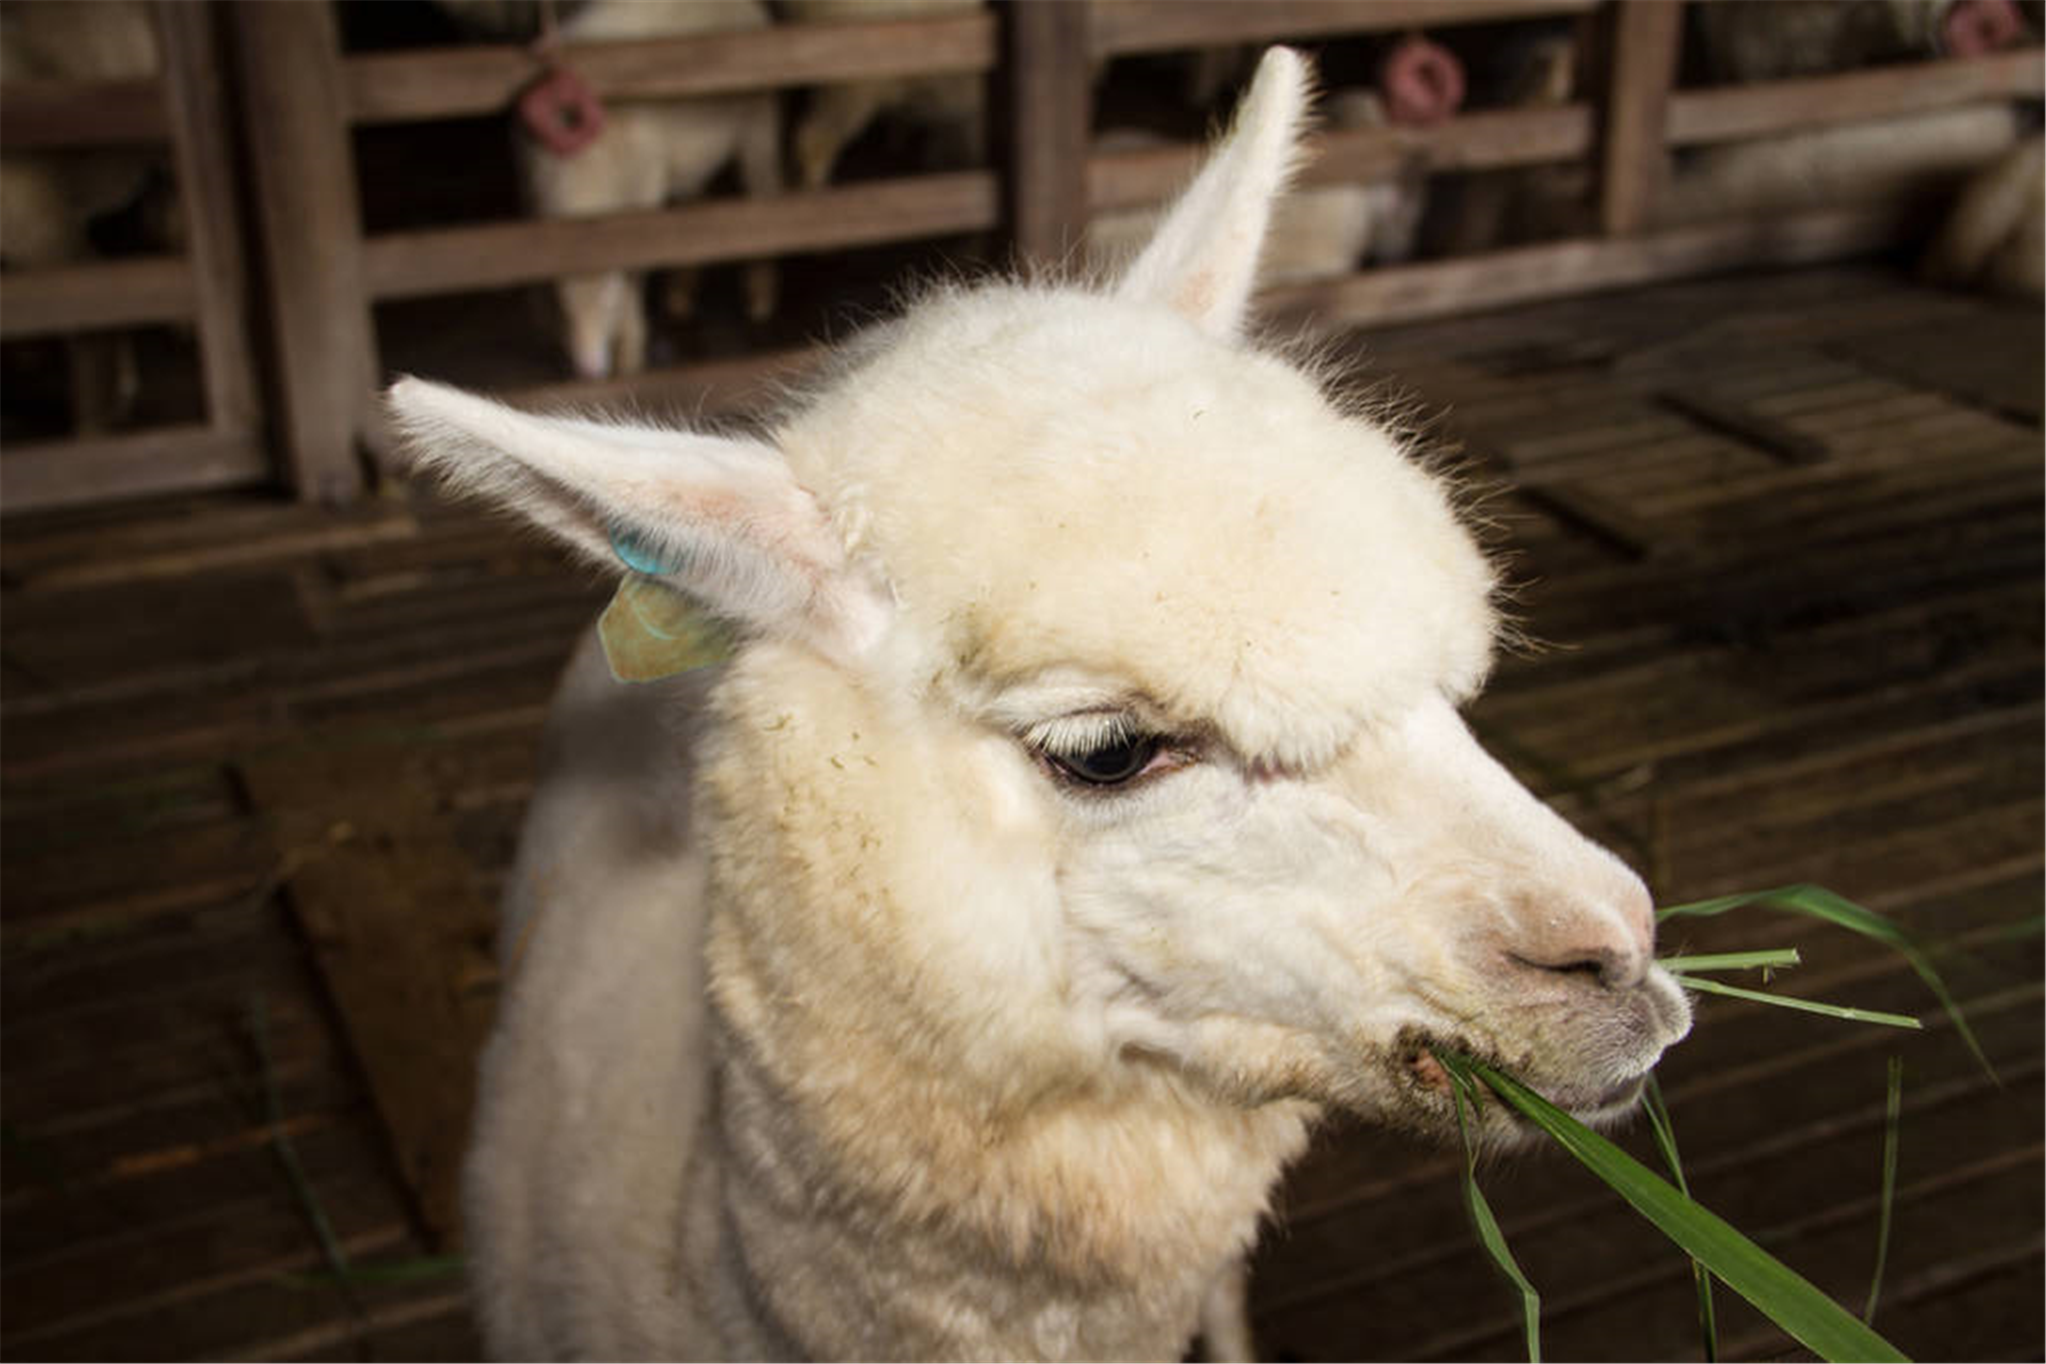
(1487, 1226)
(1783, 1295)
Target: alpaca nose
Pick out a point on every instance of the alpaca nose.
(1608, 939)
(1614, 970)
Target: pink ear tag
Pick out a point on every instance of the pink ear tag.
(1973, 28)
(1421, 82)
(562, 112)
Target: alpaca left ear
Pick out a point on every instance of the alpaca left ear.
(1203, 260)
(720, 519)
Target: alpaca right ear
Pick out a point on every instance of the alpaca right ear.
(1203, 260)
(718, 518)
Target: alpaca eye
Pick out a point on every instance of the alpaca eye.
(1111, 763)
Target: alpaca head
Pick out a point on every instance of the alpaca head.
(1097, 710)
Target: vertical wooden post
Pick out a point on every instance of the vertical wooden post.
(201, 153)
(1635, 152)
(1050, 110)
(303, 170)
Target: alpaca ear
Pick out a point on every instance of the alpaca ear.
(719, 518)
(1203, 260)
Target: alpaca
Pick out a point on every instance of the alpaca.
(48, 200)
(647, 155)
(953, 106)
(1763, 40)
(1925, 154)
(1083, 814)
(1995, 234)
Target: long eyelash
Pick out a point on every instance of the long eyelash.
(1074, 735)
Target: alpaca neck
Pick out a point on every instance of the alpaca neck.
(911, 1212)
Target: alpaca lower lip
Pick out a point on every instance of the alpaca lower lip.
(1591, 1103)
(1599, 1103)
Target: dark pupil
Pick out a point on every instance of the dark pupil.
(1112, 763)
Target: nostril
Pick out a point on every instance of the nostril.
(1598, 965)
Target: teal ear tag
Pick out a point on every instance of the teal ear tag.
(650, 630)
(638, 555)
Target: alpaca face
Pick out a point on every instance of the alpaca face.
(1098, 718)
(1277, 933)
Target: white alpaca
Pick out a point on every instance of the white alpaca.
(953, 105)
(1995, 234)
(49, 199)
(1321, 232)
(1084, 814)
(650, 154)
(1922, 154)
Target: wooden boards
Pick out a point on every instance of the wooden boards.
(403, 935)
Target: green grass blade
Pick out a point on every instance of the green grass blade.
(1810, 1006)
(1783, 1295)
(1767, 960)
(1892, 1113)
(286, 1149)
(1489, 1235)
(1819, 903)
(1666, 1142)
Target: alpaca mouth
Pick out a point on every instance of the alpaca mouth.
(1588, 1103)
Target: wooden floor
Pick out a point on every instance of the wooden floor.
(1780, 536)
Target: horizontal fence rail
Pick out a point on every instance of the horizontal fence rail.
(1728, 115)
(300, 95)
(458, 82)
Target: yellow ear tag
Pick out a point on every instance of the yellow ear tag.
(651, 631)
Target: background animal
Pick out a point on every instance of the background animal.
(1911, 155)
(50, 201)
(951, 109)
(1994, 235)
(1084, 814)
(1760, 40)
(650, 154)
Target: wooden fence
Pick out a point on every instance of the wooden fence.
(320, 275)
(205, 288)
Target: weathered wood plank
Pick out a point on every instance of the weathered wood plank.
(1126, 26)
(1481, 140)
(38, 114)
(1634, 157)
(458, 81)
(107, 293)
(309, 225)
(202, 154)
(401, 937)
(1527, 274)
(1734, 112)
(454, 259)
(1051, 107)
(98, 469)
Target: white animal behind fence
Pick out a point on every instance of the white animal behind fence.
(1995, 233)
(1084, 815)
(952, 107)
(48, 200)
(650, 154)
